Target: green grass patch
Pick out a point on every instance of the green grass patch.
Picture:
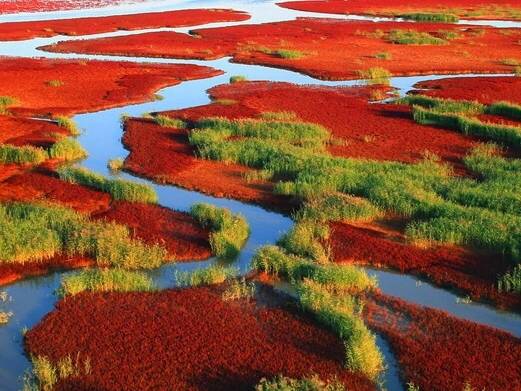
(214, 274)
(313, 383)
(289, 54)
(229, 231)
(67, 149)
(6, 101)
(120, 189)
(107, 280)
(238, 79)
(383, 55)
(413, 37)
(55, 83)
(239, 289)
(511, 281)
(430, 17)
(163, 120)
(31, 232)
(279, 116)
(116, 164)
(378, 73)
(4, 315)
(27, 155)
(68, 124)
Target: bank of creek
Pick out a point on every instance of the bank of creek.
(229, 345)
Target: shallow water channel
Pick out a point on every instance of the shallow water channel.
(32, 298)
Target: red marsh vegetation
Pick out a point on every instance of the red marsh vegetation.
(484, 89)
(187, 339)
(472, 272)
(437, 351)
(95, 25)
(466, 9)
(47, 88)
(328, 48)
(17, 6)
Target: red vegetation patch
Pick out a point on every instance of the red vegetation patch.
(328, 48)
(96, 25)
(24, 131)
(179, 233)
(45, 185)
(483, 89)
(17, 6)
(10, 272)
(439, 352)
(46, 87)
(472, 272)
(186, 339)
(468, 9)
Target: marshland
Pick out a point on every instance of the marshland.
(254, 196)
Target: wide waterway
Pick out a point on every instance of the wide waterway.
(32, 298)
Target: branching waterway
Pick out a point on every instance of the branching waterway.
(32, 298)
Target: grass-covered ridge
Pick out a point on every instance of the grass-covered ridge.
(120, 189)
(413, 37)
(443, 208)
(229, 231)
(31, 232)
(462, 117)
(66, 149)
(106, 280)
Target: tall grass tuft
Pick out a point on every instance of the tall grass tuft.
(6, 101)
(304, 239)
(511, 281)
(107, 280)
(30, 232)
(230, 231)
(163, 120)
(68, 124)
(313, 383)
(379, 74)
(67, 149)
(214, 274)
(27, 155)
(238, 79)
(431, 17)
(120, 189)
(239, 289)
(413, 37)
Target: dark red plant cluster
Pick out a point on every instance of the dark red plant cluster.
(187, 339)
(17, 6)
(471, 272)
(482, 89)
(103, 84)
(438, 352)
(465, 8)
(97, 25)
(331, 49)
(179, 233)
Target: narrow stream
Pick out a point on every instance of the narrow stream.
(33, 297)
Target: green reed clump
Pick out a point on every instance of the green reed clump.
(120, 189)
(214, 274)
(116, 164)
(31, 232)
(239, 289)
(376, 73)
(336, 207)
(413, 37)
(275, 260)
(289, 54)
(279, 115)
(27, 155)
(341, 314)
(305, 240)
(505, 109)
(163, 120)
(67, 149)
(107, 280)
(68, 124)
(6, 101)
(313, 383)
(284, 131)
(238, 79)
(229, 231)
(430, 17)
(511, 281)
